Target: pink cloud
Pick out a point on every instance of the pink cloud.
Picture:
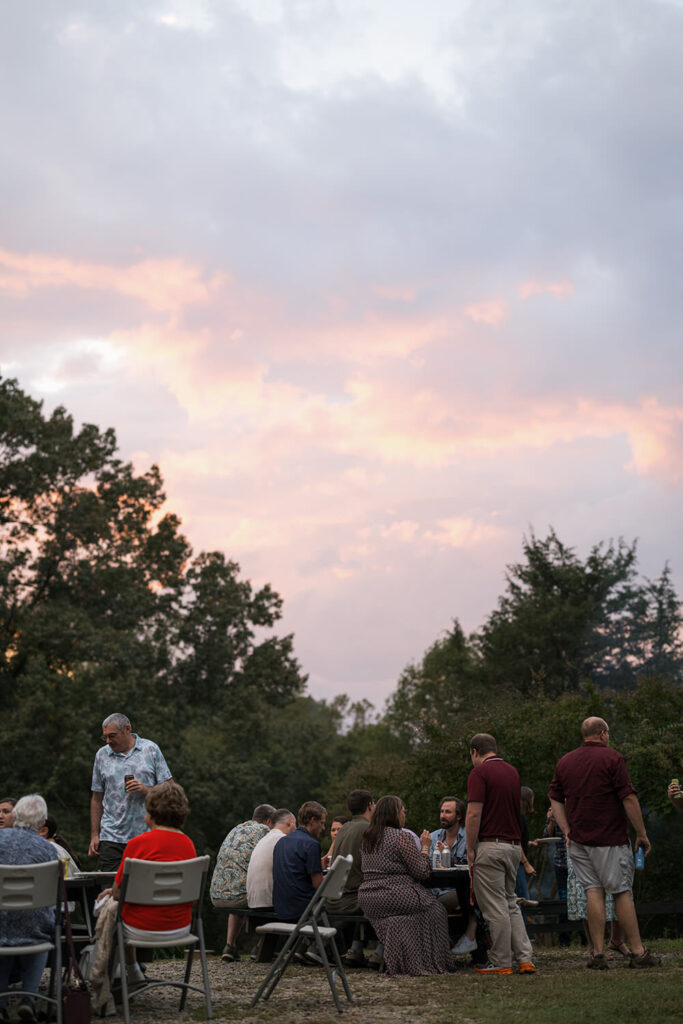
(492, 313)
(163, 285)
(557, 288)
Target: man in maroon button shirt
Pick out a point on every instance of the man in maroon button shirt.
(493, 829)
(593, 801)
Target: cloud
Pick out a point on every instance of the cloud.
(535, 287)
(492, 313)
(165, 286)
(377, 286)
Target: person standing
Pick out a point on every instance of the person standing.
(494, 833)
(593, 801)
(125, 770)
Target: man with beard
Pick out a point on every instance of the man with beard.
(451, 836)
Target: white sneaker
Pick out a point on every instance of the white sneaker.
(464, 945)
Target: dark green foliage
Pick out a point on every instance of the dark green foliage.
(563, 622)
(103, 609)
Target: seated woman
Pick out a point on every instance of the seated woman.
(7, 805)
(64, 852)
(407, 917)
(337, 823)
(21, 844)
(167, 809)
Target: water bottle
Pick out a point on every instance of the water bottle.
(640, 858)
(445, 857)
(436, 859)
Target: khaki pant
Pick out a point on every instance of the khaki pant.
(495, 873)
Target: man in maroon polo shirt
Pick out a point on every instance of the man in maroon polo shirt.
(493, 829)
(593, 801)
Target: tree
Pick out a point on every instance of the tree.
(102, 608)
(562, 621)
(431, 696)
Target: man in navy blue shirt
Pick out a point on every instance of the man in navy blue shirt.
(297, 865)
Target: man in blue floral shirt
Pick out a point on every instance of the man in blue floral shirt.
(229, 881)
(125, 770)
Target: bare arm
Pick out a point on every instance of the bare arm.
(472, 824)
(560, 816)
(675, 796)
(135, 786)
(635, 816)
(95, 819)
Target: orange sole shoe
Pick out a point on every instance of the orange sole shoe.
(492, 969)
(527, 968)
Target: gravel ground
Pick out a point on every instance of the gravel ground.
(303, 994)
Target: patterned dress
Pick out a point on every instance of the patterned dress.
(406, 915)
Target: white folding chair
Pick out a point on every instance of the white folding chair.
(29, 887)
(164, 884)
(308, 927)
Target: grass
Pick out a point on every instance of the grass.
(562, 992)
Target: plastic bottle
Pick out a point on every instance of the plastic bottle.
(436, 859)
(445, 856)
(640, 858)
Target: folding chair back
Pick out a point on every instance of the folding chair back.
(163, 883)
(29, 886)
(335, 879)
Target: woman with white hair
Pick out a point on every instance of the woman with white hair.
(22, 845)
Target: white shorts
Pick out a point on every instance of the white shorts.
(603, 867)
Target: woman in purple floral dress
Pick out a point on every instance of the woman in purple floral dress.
(407, 917)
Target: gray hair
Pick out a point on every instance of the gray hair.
(281, 816)
(30, 812)
(117, 719)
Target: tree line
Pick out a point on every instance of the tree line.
(104, 606)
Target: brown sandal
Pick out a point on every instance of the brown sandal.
(620, 947)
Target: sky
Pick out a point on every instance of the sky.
(381, 286)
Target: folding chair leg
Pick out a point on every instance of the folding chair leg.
(340, 970)
(205, 970)
(326, 964)
(125, 1007)
(186, 980)
(278, 968)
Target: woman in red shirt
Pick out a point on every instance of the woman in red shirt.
(167, 809)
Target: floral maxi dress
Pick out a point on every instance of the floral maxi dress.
(406, 915)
